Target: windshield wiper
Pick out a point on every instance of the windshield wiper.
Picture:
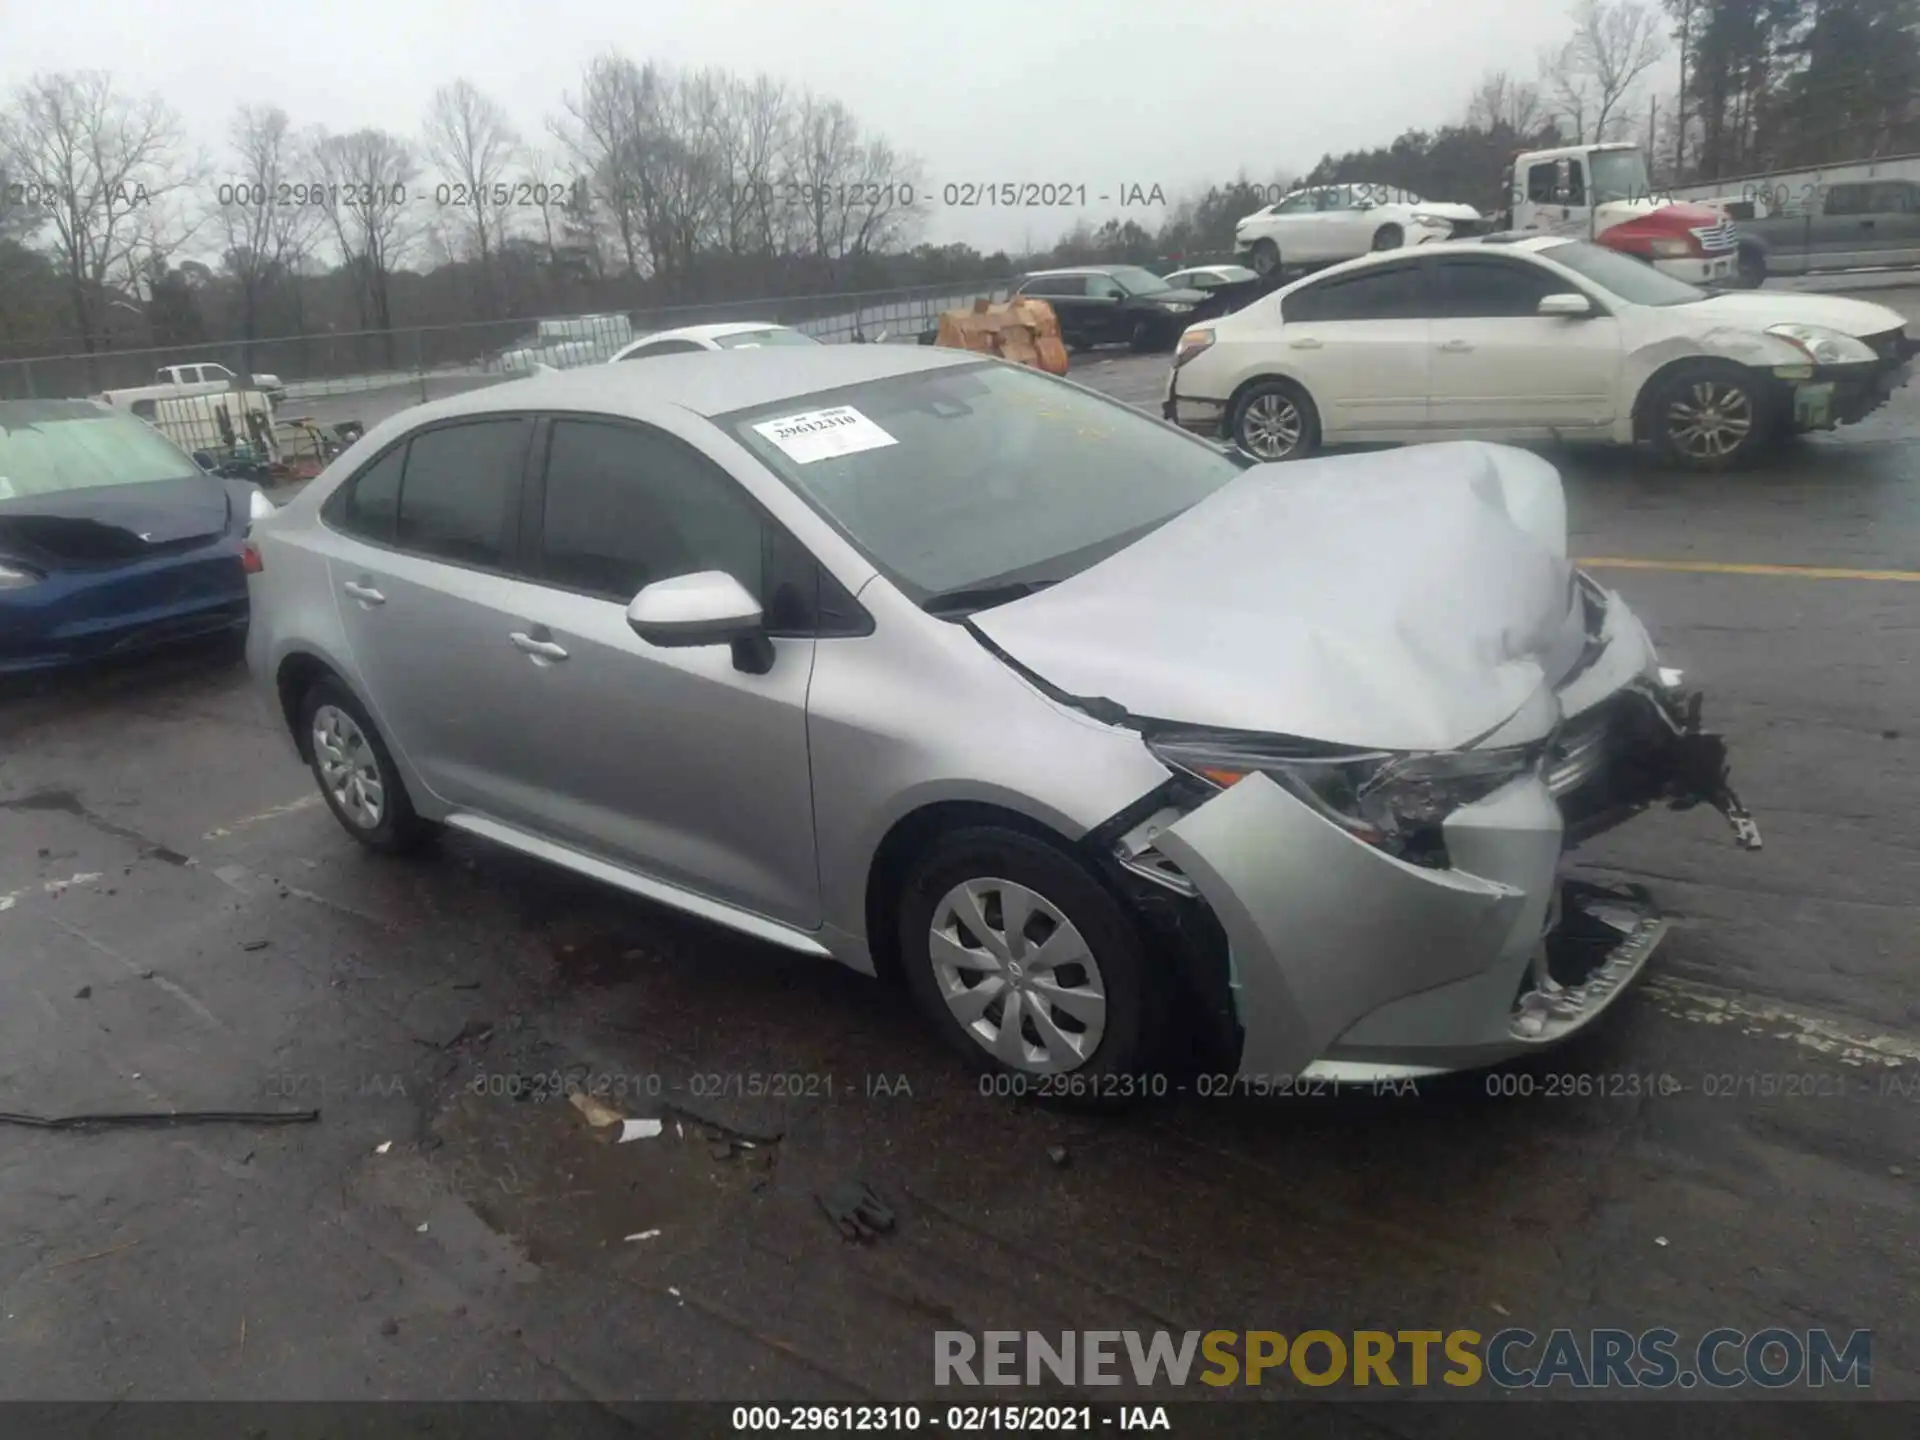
(980, 597)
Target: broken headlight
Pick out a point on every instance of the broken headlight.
(1391, 800)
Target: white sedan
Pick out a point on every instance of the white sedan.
(1326, 223)
(732, 335)
(1543, 338)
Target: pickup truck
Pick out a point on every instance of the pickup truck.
(174, 381)
(1844, 225)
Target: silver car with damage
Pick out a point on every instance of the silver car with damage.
(955, 672)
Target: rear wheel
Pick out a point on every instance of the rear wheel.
(1709, 417)
(1389, 237)
(1026, 964)
(356, 773)
(1750, 272)
(1142, 336)
(1275, 420)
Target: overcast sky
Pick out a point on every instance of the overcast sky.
(1101, 93)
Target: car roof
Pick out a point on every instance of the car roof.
(1475, 245)
(1078, 270)
(708, 384)
(713, 331)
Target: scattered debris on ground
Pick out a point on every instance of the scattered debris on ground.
(856, 1211)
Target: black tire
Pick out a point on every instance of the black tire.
(1266, 258)
(1144, 336)
(1736, 399)
(1269, 401)
(1750, 272)
(399, 829)
(1389, 237)
(1129, 1040)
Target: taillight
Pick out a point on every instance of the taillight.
(1191, 344)
(250, 560)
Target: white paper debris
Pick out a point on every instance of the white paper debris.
(383, 1147)
(421, 1228)
(638, 1130)
(644, 1235)
(1499, 1309)
(1660, 1240)
(821, 434)
(678, 1130)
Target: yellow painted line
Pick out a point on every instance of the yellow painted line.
(1718, 567)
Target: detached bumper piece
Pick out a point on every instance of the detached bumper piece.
(1645, 747)
(1603, 937)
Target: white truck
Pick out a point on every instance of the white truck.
(174, 381)
(563, 343)
(1604, 193)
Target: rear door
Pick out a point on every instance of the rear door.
(1358, 342)
(423, 577)
(671, 761)
(1499, 366)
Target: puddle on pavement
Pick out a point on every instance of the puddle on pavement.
(536, 1170)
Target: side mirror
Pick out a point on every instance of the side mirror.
(1568, 306)
(708, 607)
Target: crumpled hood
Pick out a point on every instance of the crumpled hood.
(1412, 599)
(114, 523)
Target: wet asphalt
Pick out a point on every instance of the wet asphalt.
(185, 927)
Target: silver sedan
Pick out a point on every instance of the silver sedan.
(957, 673)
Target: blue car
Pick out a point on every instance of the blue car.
(112, 539)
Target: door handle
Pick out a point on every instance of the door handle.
(544, 649)
(1866, 224)
(1456, 347)
(1304, 344)
(364, 593)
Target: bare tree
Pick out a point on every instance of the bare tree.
(472, 142)
(857, 194)
(369, 186)
(1501, 101)
(757, 145)
(606, 135)
(264, 232)
(1593, 75)
(102, 162)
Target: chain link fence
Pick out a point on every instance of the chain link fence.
(303, 372)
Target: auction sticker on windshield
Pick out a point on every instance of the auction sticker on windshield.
(821, 434)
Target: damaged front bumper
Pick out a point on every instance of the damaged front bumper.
(1344, 959)
(1835, 395)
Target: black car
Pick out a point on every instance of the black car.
(1227, 287)
(1106, 304)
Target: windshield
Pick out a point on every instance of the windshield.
(1135, 281)
(985, 474)
(1620, 175)
(750, 339)
(1634, 281)
(52, 448)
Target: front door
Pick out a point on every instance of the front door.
(1106, 311)
(670, 761)
(1499, 366)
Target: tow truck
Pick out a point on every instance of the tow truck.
(1603, 192)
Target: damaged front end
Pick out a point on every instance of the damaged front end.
(1643, 746)
(1371, 929)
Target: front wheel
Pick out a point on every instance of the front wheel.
(1266, 258)
(1027, 965)
(1274, 420)
(1389, 237)
(1709, 417)
(1750, 271)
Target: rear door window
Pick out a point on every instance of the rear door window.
(459, 488)
(1388, 293)
(367, 506)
